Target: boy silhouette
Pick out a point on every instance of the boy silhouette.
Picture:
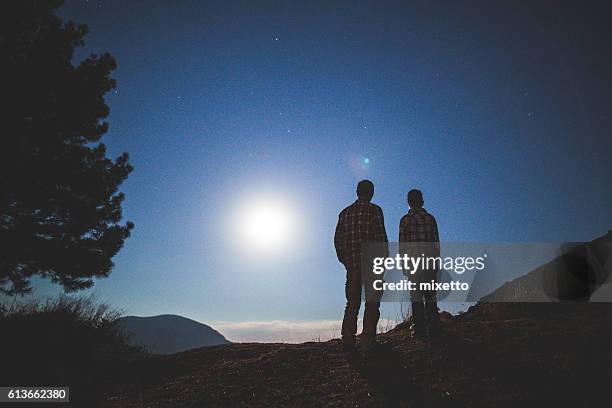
(418, 234)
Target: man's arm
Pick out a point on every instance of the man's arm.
(380, 234)
(339, 240)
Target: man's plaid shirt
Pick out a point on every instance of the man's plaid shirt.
(358, 223)
(419, 226)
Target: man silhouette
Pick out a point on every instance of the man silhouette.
(418, 235)
(359, 223)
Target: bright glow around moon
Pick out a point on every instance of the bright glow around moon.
(266, 225)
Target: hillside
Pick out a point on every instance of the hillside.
(508, 350)
(541, 355)
(581, 273)
(167, 334)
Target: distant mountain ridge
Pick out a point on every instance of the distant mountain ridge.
(167, 334)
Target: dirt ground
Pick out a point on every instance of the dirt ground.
(498, 355)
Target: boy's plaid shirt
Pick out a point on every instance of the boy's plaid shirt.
(418, 226)
(358, 223)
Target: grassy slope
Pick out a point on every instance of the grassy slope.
(65, 341)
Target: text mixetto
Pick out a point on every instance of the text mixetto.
(405, 284)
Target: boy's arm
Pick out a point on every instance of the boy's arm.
(436, 237)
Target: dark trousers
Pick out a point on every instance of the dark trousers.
(424, 302)
(371, 314)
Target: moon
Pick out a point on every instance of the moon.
(266, 225)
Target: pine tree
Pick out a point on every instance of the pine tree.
(60, 207)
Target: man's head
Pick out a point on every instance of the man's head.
(365, 190)
(415, 199)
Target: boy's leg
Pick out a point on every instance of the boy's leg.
(418, 308)
(352, 291)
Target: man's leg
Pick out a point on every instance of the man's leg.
(371, 315)
(352, 291)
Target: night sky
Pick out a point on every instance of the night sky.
(499, 113)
